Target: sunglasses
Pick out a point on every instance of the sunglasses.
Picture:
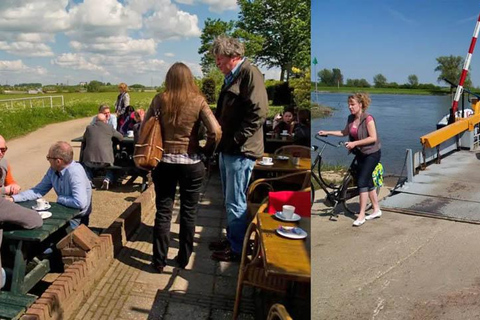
(51, 158)
(4, 149)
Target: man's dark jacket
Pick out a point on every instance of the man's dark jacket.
(241, 111)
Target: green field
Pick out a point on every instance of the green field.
(21, 117)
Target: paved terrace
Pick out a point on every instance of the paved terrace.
(204, 290)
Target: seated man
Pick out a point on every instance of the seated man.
(69, 181)
(111, 118)
(15, 214)
(8, 185)
(97, 148)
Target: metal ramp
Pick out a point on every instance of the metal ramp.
(449, 190)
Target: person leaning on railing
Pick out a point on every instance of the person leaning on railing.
(365, 144)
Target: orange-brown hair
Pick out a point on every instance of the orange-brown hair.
(362, 98)
(180, 88)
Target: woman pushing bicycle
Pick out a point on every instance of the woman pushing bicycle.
(365, 144)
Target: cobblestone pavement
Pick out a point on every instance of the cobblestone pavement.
(204, 290)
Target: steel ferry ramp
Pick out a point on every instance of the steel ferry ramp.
(449, 190)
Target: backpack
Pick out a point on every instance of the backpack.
(149, 147)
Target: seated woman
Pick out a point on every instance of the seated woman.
(302, 128)
(126, 121)
(287, 123)
(139, 115)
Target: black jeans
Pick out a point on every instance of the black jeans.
(366, 165)
(165, 177)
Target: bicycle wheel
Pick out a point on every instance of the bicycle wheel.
(349, 195)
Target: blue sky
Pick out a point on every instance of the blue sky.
(393, 37)
(132, 41)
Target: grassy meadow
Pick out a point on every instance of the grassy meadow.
(21, 117)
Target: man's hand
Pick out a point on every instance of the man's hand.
(14, 188)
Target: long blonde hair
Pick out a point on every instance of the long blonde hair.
(180, 88)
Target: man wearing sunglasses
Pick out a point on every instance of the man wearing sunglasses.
(68, 179)
(7, 183)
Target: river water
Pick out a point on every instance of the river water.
(401, 120)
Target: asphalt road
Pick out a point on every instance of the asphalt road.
(395, 267)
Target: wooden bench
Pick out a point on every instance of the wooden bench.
(13, 306)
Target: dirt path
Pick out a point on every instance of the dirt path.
(27, 159)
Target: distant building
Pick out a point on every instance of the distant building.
(83, 84)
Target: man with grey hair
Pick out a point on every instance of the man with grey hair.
(111, 118)
(241, 111)
(97, 149)
(68, 179)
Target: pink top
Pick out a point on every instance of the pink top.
(353, 130)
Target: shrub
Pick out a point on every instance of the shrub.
(208, 90)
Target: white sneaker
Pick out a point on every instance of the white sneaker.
(105, 184)
(377, 214)
(358, 223)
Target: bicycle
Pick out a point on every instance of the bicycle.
(346, 193)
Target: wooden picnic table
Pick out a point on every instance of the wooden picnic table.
(24, 245)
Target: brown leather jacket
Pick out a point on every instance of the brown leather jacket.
(241, 111)
(184, 137)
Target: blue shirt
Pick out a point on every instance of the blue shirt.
(111, 121)
(71, 186)
(229, 77)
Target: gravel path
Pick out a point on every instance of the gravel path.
(27, 159)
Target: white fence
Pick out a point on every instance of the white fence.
(32, 102)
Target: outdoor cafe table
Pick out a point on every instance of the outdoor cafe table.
(273, 142)
(23, 245)
(281, 166)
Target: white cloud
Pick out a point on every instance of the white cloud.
(28, 49)
(17, 66)
(171, 23)
(76, 62)
(117, 46)
(169, 54)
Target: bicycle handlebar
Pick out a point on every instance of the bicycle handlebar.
(340, 143)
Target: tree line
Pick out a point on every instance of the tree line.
(450, 67)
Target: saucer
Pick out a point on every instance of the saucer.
(284, 134)
(282, 158)
(265, 164)
(45, 214)
(48, 206)
(291, 232)
(280, 216)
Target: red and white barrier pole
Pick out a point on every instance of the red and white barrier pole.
(459, 90)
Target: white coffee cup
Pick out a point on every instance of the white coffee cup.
(42, 203)
(130, 133)
(267, 160)
(284, 131)
(288, 211)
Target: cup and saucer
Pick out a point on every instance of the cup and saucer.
(41, 205)
(291, 232)
(280, 215)
(266, 161)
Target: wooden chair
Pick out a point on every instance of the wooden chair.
(259, 189)
(299, 151)
(278, 312)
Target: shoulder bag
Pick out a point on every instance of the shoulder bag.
(149, 147)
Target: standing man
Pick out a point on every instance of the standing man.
(97, 146)
(111, 118)
(7, 183)
(69, 181)
(241, 111)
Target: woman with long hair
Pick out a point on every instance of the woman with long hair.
(365, 144)
(181, 109)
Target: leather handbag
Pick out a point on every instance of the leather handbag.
(149, 147)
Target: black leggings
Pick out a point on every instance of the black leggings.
(366, 165)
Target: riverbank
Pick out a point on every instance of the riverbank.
(433, 91)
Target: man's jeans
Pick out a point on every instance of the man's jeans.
(235, 172)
